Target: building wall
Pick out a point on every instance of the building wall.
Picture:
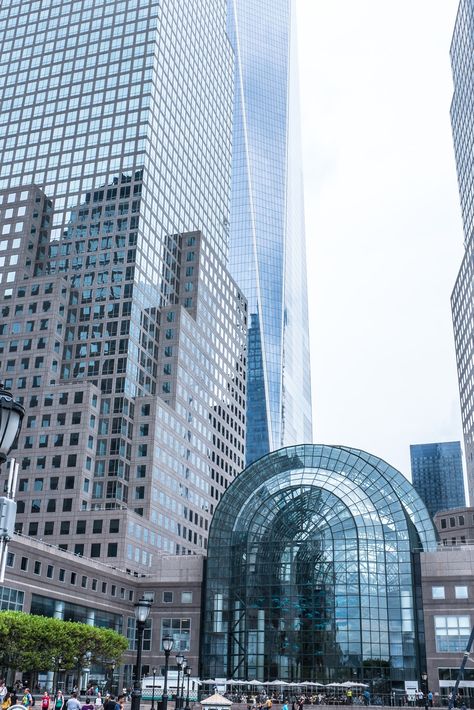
(455, 526)
(448, 606)
(135, 398)
(43, 579)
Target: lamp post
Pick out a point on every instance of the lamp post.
(188, 675)
(424, 685)
(179, 662)
(153, 671)
(11, 417)
(142, 611)
(112, 670)
(167, 644)
(181, 695)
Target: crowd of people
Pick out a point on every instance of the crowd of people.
(17, 695)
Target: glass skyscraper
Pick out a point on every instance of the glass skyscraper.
(462, 299)
(267, 233)
(120, 327)
(437, 475)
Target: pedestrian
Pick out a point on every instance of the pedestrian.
(88, 705)
(27, 699)
(7, 701)
(59, 700)
(284, 706)
(98, 700)
(45, 701)
(73, 703)
(3, 690)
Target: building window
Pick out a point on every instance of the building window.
(95, 549)
(168, 597)
(451, 633)
(180, 630)
(461, 592)
(437, 593)
(186, 597)
(11, 599)
(131, 636)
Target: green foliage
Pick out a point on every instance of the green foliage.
(33, 643)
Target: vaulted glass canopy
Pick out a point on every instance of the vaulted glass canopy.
(311, 570)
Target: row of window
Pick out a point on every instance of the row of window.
(453, 521)
(460, 592)
(63, 575)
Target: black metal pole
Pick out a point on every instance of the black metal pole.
(178, 704)
(187, 692)
(153, 690)
(164, 699)
(137, 685)
(182, 691)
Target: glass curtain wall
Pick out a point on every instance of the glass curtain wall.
(310, 572)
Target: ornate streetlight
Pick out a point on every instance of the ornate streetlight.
(11, 417)
(188, 675)
(167, 644)
(180, 659)
(153, 671)
(142, 611)
(181, 695)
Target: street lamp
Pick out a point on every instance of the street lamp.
(11, 417)
(188, 675)
(185, 663)
(112, 669)
(424, 685)
(142, 611)
(153, 670)
(179, 662)
(167, 644)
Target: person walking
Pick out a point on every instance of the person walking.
(73, 703)
(27, 699)
(59, 700)
(88, 705)
(45, 701)
(7, 701)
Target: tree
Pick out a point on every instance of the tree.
(35, 643)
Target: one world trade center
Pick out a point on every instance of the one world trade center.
(267, 231)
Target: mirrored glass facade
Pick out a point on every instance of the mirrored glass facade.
(437, 475)
(267, 235)
(462, 299)
(311, 573)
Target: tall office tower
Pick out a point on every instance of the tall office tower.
(123, 332)
(462, 299)
(437, 475)
(267, 233)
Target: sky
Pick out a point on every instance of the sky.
(383, 223)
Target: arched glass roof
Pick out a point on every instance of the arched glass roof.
(310, 568)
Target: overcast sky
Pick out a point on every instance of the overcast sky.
(383, 224)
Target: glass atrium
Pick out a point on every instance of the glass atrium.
(311, 571)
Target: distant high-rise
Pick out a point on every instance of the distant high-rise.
(120, 329)
(462, 299)
(267, 231)
(437, 475)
